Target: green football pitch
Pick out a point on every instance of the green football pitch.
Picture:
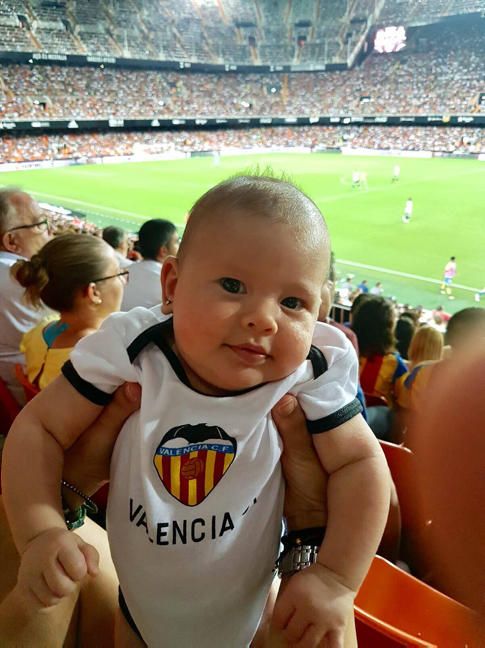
(369, 239)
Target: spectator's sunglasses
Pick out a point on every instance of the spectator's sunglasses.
(124, 275)
(41, 226)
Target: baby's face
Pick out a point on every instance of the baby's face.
(245, 300)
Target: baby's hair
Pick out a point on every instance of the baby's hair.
(63, 266)
(261, 194)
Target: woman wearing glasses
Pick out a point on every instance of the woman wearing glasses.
(79, 277)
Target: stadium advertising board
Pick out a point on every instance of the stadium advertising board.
(61, 125)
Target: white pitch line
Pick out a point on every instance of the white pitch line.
(345, 262)
(87, 204)
(402, 274)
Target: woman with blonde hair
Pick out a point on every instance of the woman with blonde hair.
(77, 275)
(426, 345)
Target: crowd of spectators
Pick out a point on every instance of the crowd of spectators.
(434, 76)
(224, 31)
(16, 148)
(421, 83)
(229, 30)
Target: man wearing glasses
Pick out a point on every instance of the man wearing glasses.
(24, 229)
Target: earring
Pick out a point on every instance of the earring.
(98, 301)
(168, 302)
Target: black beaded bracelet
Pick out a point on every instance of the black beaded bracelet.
(88, 504)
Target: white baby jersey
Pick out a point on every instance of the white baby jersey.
(196, 495)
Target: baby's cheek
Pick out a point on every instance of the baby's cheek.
(295, 349)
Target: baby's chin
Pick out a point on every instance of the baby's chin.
(244, 381)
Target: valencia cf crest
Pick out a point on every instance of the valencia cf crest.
(192, 459)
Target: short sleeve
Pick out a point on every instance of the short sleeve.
(100, 362)
(330, 399)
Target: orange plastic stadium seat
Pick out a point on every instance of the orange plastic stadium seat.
(393, 608)
(401, 465)
(30, 390)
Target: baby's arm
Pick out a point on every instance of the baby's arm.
(32, 468)
(317, 602)
(358, 499)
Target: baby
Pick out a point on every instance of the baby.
(195, 507)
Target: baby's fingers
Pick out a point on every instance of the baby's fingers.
(73, 562)
(58, 582)
(42, 593)
(282, 613)
(91, 557)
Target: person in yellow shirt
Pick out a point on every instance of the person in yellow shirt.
(77, 275)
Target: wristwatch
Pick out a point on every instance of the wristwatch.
(300, 549)
(294, 559)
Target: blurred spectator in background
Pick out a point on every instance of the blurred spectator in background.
(465, 333)
(157, 239)
(426, 345)
(377, 289)
(381, 367)
(440, 316)
(23, 231)
(118, 239)
(448, 438)
(363, 287)
(79, 277)
(328, 294)
(405, 328)
(356, 304)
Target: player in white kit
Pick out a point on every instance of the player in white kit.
(408, 211)
(195, 509)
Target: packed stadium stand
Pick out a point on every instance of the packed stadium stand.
(110, 81)
(227, 31)
(438, 73)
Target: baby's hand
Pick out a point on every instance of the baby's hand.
(53, 564)
(314, 609)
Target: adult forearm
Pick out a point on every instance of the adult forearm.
(87, 461)
(358, 505)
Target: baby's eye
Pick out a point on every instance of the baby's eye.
(231, 285)
(293, 303)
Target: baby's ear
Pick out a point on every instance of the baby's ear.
(168, 279)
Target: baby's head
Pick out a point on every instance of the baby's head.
(245, 288)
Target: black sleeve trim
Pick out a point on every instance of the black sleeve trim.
(318, 360)
(150, 335)
(335, 419)
(85, 388)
